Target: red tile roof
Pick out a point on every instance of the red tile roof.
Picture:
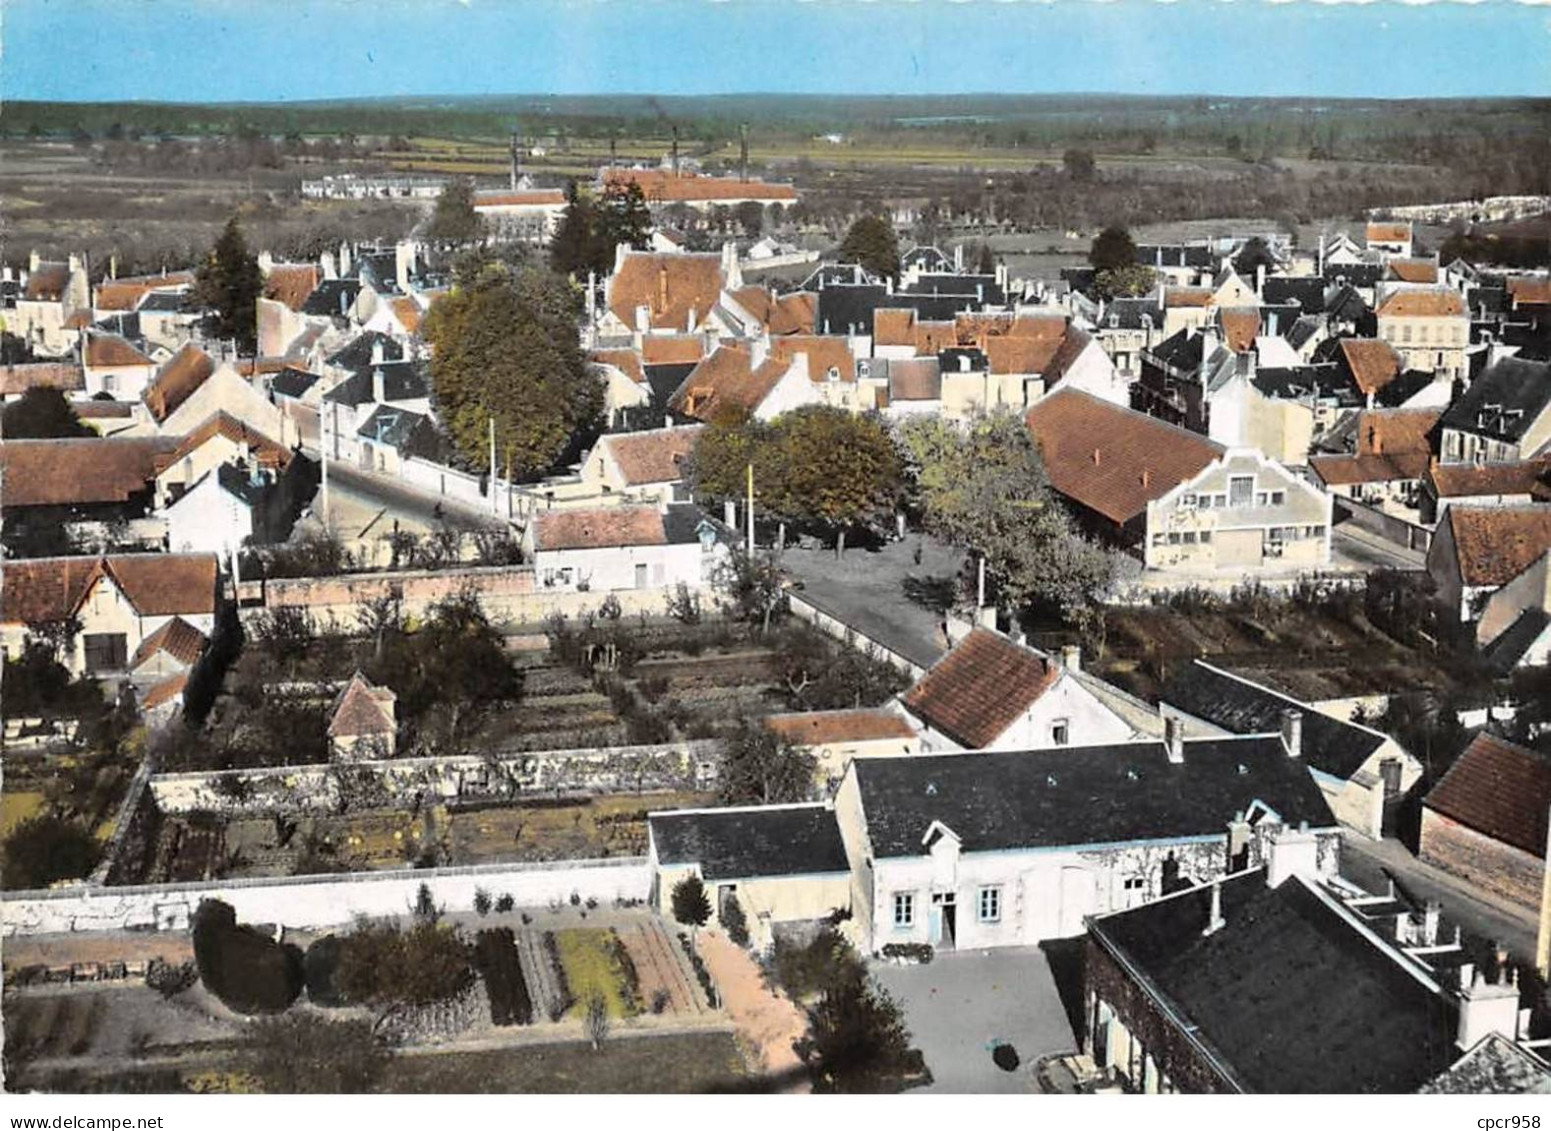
(61, 472)
(821, 728)
(651, 457)
(599, 528)
(177, 380)
(47, 283)
(894, 327)
(165, 691)
(125, 294)
(407, 311)
(1500, 789)
(980, 688)
(661, 187)
(1112, 460)
(179, 639)
(1494, 544)
(111, 350)
(671, 287)
(1187, 296)
(363, 709)
(260, 447)
(1433, 303)
(1530, 290)
(627, 361)
(672, 349)
(727, 379)
(1381, 231)
(532, 198)
(823, 353)
(1414, 270)
(63, 375)
(35, 590)
(779, 314)
(1240, 327)
(1374, 364)
(1462, 480)
(291, 283)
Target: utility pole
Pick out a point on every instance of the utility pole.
(743, 152)
(323, 444)
(751, 511)
(1543, 938)
(494, 507)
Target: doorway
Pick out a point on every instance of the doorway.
(944, 919)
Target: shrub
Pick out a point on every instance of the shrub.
(169, 980)
(506, 903)
(702, 975)
(803, 970)
(910, 952)
(563, 999)
(47, 848)
(660, 999)
(630, 990)
(247, 970)
(382, 965)
(735, 922)
(319, 967)
(481, 901)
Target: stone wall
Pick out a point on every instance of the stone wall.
(509, 595)
(312, 902)
(1499, 868)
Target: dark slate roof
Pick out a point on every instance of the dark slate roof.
(1303, 329)
(928, 257)
(681, 523)
(357, 354)
(1079, 278)
(1355, 274)
(1403, 388)
(1346, 305)
(1487, 300)
(743, 844)
(291, 382)
(401, 381)
(952, 360)
(124, 325)
(391, 426)
(1278, 319)
(1503, 654)
(1174, 255)
(1182, 350)
(1288, 992)
(1504, 401)
(842, 307)
(1236, 705)
(332, 297)
(166, 302)
(1077, 795)
(979, 288)
(238, 482)
(1325, 381)
(1534, 342)
(836, 274)
(379, 268)
(1307, 292)
(1127, 313)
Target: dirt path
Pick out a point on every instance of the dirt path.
(767, 1022)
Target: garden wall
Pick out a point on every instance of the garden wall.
(510, 595)
(830, 625)
(311, 902)
(377, 783)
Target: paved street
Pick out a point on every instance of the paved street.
(357, 497)
(1353, 548)
(883, 592)
(1371, 863)
(960, 1006)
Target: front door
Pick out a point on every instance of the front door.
(640, 575)
(944, 920)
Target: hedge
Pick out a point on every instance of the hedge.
(318, 967)
(247, 970)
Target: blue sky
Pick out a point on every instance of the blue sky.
(270, 50)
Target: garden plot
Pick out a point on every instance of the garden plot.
(660, 970)
(590, 959)
(585, 828)
(541, 974)
(507, 988)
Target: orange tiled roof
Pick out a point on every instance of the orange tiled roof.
(824, 352)
(821, 728)
(363, 709)
(125, 294)
(179, 639)
(165, 691)
(660, 186)
(1530, 477)
(1530, 290)
(1414, 270)
(727, 379)
(263, 449)
(177, 380)
(63, 375)
(291, 283)
(1381, 231)
(1374, 363)
(1393, 444)
(934, 337)
(532, 198)
(672, 349)
(671, 287)
(599, 528)
(1240, 327)
(894, 326)
(47, 283)
(652, 457)
(980, 688)
(1187, 296)
(1501, 790)
(104, 351)
(627, 361)
(46, 589)
(1440, 302)
(1495, 544)
(779, 314)
(1112, 460)
(407, 311)
(63, 472)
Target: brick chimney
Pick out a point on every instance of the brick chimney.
(662, 288)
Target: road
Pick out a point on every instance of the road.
(1353, 547)
(355, 492)
(1371, 863)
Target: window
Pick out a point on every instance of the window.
(989, 905)
(1060, 732)
(1188, 499)
(109, 383)
(1190, 537)
(1260, 498)
(904, 909)
(1206, 502)
(1206, 535)
(105, 651)
(1173, 538)
(1241, 490)
(1135, 883)
(1278, 498)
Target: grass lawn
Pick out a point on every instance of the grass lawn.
(677, 1062)
(16, 808)
(590, 967)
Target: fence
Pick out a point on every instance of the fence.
(830, 625)
(312, 902)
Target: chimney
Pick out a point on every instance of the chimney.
(1174, 738)
(379, 387)
(1097, 457)
(344, 260)
(34, 260)
(1214, 921)
(113, 266)
(1260, 279)
(662, 287)
(403, 263)
(1071, 657)
(1486, 1007)
(1291, 852)
(326, 265)
(730, 513)
(958, 260)
(689, 322)
(1432, 910)
(1292, 732)
(620, 250)
(377, 358)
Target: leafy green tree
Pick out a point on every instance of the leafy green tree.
(857, 1041)
(389, 967)
(306, 1053)
(229, 284)
(729, 443)
(454, 220)
(42, 414)
(1112, 249)
(691, 905)
(841, 470)
(1079, 165)
(759, 767)
(506, 348)
(1119, 282)
(872, 243)
(735, 922)
(751, 218)
(572, 245)
(45, 849)
(752, 588)
(249, 971)
(622, 217)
